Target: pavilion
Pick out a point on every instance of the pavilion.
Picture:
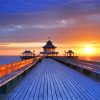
(49, 49)
(27, 54)
(71, 54)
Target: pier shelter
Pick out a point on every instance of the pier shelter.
(71, 55)
(49, 49)
(27, 54)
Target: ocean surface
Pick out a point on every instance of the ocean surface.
(8, 59)
(93, 58)
(11, 59)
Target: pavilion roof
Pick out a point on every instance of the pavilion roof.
(49, 44)
(70, 51)
(27, 52)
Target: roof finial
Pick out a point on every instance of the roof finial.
(49, 38)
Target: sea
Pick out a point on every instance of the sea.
(90, 58)
(11, 59)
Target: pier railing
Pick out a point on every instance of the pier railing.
(82, 63)
(89, 68)
(85, 64)
(6, 69)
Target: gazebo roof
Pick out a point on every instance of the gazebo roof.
(49, 45)
(27, 52)
(70, 51)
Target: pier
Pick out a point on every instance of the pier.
(52, 80)
(50, 77)
(49, 49)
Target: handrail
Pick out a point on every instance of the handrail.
(12, 67)
(81, 63)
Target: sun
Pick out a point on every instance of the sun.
(88, 49)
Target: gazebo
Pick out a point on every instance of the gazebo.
(27, 54)
(49, 49)
(70, 55)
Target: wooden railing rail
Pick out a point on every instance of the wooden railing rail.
(84, 64)
(12, 67)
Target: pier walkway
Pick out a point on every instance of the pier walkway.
(51, 80)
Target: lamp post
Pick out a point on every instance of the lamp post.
(65, 55)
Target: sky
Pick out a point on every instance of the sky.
(71, 24)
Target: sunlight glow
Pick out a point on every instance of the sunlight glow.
(88, 49)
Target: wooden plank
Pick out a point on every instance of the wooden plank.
(34, 86)
(21, 87)
(36, 95)
(73, 81)
(51, 80)
(50, 97)
(54, 94)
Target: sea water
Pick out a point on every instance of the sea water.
(91, 58)
(11, 59)
(8, 59)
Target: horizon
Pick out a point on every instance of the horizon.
(71, 24)
(79, 51)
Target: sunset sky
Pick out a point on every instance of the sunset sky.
(71, 24)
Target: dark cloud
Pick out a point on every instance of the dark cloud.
(44, 5)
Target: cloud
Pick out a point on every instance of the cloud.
(68, 6)
(94, 18)
(33, 21)
(53, 25)
(25, 21)
(22, 45)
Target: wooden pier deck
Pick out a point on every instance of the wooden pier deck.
(51, 80)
